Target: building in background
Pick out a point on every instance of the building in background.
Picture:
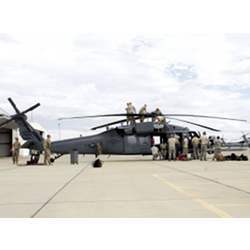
(6, 135)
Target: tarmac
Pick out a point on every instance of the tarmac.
(125, 187)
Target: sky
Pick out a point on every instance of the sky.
(84, 57)
(73, 74)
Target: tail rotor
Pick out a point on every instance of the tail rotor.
(18, 115)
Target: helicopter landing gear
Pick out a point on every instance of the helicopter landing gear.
(34, 159)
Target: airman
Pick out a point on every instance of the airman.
(47, 150)
(16, 151)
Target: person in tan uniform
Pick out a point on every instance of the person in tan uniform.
(172, 141)
(142, 112)
(130, 110)
(195, 143)
(163, 150)
(98, 149)
(16, 151)
(204, 143)
(185, 146)
(217, 149)
(47, 150)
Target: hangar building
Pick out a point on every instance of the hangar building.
(6, 135)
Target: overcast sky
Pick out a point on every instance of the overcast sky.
(96, 73)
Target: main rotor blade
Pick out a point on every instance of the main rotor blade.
(97, 116)
(196, 124)
(151, 115)
(109, 124)
(13, 105)
(31, 108)
(205, 116)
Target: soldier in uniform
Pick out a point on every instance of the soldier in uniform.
(142, 112)
(185, 146)
(159, 118)
(172, 141)
(98, 149)
(158, 112)
(217, 148)
(15, 151)
(47, 150)
(204, 143)
(155, 152)
(195, 143)
(163, 147)
(130, 110)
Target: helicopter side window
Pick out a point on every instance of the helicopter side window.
(144, 140)
(92, 145)
(132, 139)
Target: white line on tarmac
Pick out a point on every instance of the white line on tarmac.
(210, 207)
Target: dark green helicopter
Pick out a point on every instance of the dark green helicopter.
(124, 139)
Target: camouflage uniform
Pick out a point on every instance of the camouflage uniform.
(217, 148)
(16, 151)
(185, 146)
(130, 110)
(47, 151)
(155, 152)
(156, 113)
(204, 144)
(195, 143)
(98, 149)
(172, 148)
(143, 111)
(163, 147)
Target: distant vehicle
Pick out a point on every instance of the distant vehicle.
(132, 139)
(242, 144)
(237, 145)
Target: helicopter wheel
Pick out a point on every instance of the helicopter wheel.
(34, 159)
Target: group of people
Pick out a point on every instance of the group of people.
(16, 146)
(131, 110)
(168, 149)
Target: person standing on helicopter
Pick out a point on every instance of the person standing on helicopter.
(142, 112)
(130, 111)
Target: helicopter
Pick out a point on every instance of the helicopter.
(125, 139)
(239, 145)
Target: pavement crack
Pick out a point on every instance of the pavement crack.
(58, 191)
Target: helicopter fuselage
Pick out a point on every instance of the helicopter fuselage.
(125, 140)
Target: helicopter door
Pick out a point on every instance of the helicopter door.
(137, 145)
(131, 144)
(145, 144)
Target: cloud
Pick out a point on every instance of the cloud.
(6, 38)
(73, 74)
(181, 72)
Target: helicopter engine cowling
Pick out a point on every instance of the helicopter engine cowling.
(144, 128)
